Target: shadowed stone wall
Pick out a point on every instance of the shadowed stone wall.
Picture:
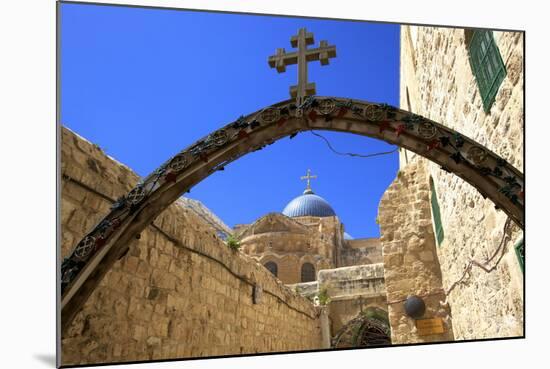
(437, 82)
(179, 291)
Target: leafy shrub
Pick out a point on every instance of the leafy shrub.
(233, 243)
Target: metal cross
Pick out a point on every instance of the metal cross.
(308, 177)
(304, 55)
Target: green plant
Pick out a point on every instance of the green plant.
(233, 243)
(377, 220)
(323, 297)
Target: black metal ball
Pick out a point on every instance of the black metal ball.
(414, 307)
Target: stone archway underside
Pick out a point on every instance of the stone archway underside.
(94, 255)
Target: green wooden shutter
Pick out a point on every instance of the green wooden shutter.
(439, 234)
(487, 66)
(520, 253)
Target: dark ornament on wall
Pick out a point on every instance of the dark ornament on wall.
(414, 307)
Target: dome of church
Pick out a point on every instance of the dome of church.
(308, 204)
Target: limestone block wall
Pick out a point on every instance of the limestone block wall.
(306, 289)
(351, 290)
(411, 265)
(360, 252)
(345, 308)
(437, 82)
(355, 280)
(179, 291)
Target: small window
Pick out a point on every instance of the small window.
(272, 267)
(436, 215)
(520, 253)
(308, 272)
(487, 65)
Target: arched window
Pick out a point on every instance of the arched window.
(308, 272)
(272, 267)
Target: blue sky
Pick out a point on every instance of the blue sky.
(145, 83)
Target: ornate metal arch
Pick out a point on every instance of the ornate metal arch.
(93, 256)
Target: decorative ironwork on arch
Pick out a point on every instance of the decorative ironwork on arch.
(93, 256)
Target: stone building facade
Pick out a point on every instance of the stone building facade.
(306, 247)
(306, 237)
(468, 251)
(179, 291)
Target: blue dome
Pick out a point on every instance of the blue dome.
(309, 204)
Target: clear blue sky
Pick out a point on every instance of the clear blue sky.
(145, 83)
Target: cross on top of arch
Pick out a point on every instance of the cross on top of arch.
(301, 57)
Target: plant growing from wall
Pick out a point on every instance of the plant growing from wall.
(323, 297)
(233, 243)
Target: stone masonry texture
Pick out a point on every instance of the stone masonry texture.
(179, 292)
(437, 82)
(410, 261)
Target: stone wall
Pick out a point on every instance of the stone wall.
(361, 251)
(351, 290)
(179, 291)
(437, 82)
(411, 266)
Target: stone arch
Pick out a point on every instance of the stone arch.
(369, 328)
(93, 256)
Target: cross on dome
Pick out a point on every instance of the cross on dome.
(308, 177)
